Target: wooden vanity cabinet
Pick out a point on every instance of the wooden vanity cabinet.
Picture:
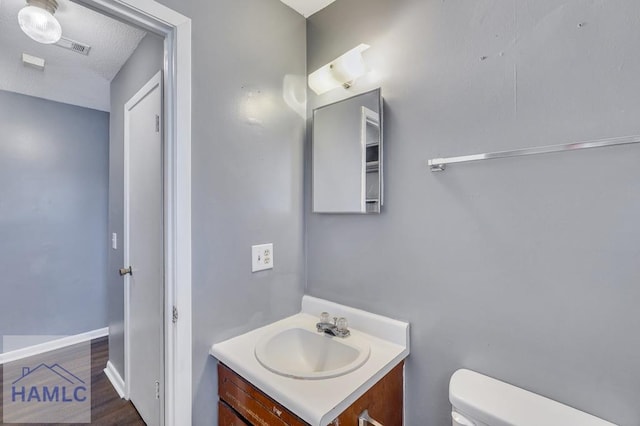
(240, 403)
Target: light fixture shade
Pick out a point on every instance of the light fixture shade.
(323, 80)
(339, 72)
(39, 24)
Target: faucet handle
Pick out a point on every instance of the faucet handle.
(324, 317)
(342, 324)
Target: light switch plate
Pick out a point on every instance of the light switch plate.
(261, 257)
(114, 241)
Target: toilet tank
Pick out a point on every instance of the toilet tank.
(478, 400)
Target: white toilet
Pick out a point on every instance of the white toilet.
(478, 400)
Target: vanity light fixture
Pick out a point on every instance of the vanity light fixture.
(37, 21)
(340, 72)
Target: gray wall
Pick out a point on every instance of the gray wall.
(53, 217)
(523, 269)
(145, 62)
(247, 173)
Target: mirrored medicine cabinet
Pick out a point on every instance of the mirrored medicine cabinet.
(348, 156)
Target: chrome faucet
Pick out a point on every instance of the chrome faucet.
(339, 327)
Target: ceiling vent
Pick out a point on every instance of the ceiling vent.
(75, 46)
(33, 61)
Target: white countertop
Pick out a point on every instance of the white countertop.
(318, 402)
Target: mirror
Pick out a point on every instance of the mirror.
(347, 155)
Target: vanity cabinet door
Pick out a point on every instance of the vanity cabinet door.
(227, 417)
(250, 403)
(384, 401)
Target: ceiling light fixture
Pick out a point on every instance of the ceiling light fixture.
(37, 21)
(339, 72)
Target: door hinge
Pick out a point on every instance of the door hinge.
(157, 123)
(175, 314)
(157, 390)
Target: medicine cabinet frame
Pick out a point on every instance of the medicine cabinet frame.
(348, 155)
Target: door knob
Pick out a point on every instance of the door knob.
(125, 271)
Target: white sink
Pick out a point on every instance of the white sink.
(317, 377)
(307, 354)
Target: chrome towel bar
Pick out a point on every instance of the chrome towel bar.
(439, 164)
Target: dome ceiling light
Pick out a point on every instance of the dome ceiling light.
(37, 21)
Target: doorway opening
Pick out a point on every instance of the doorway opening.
(174, 39)
(176, 31)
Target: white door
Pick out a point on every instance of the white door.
(144, 252)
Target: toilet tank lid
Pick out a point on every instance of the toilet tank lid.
(496, 403)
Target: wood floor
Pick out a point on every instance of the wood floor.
(107, 408)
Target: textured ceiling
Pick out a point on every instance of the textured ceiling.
(307, 7)
(68, 77)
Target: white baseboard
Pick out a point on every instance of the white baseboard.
(115, 379)
(52, 345)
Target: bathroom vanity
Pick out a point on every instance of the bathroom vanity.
(294, 372)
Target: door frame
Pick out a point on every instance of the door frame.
(176, 31)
